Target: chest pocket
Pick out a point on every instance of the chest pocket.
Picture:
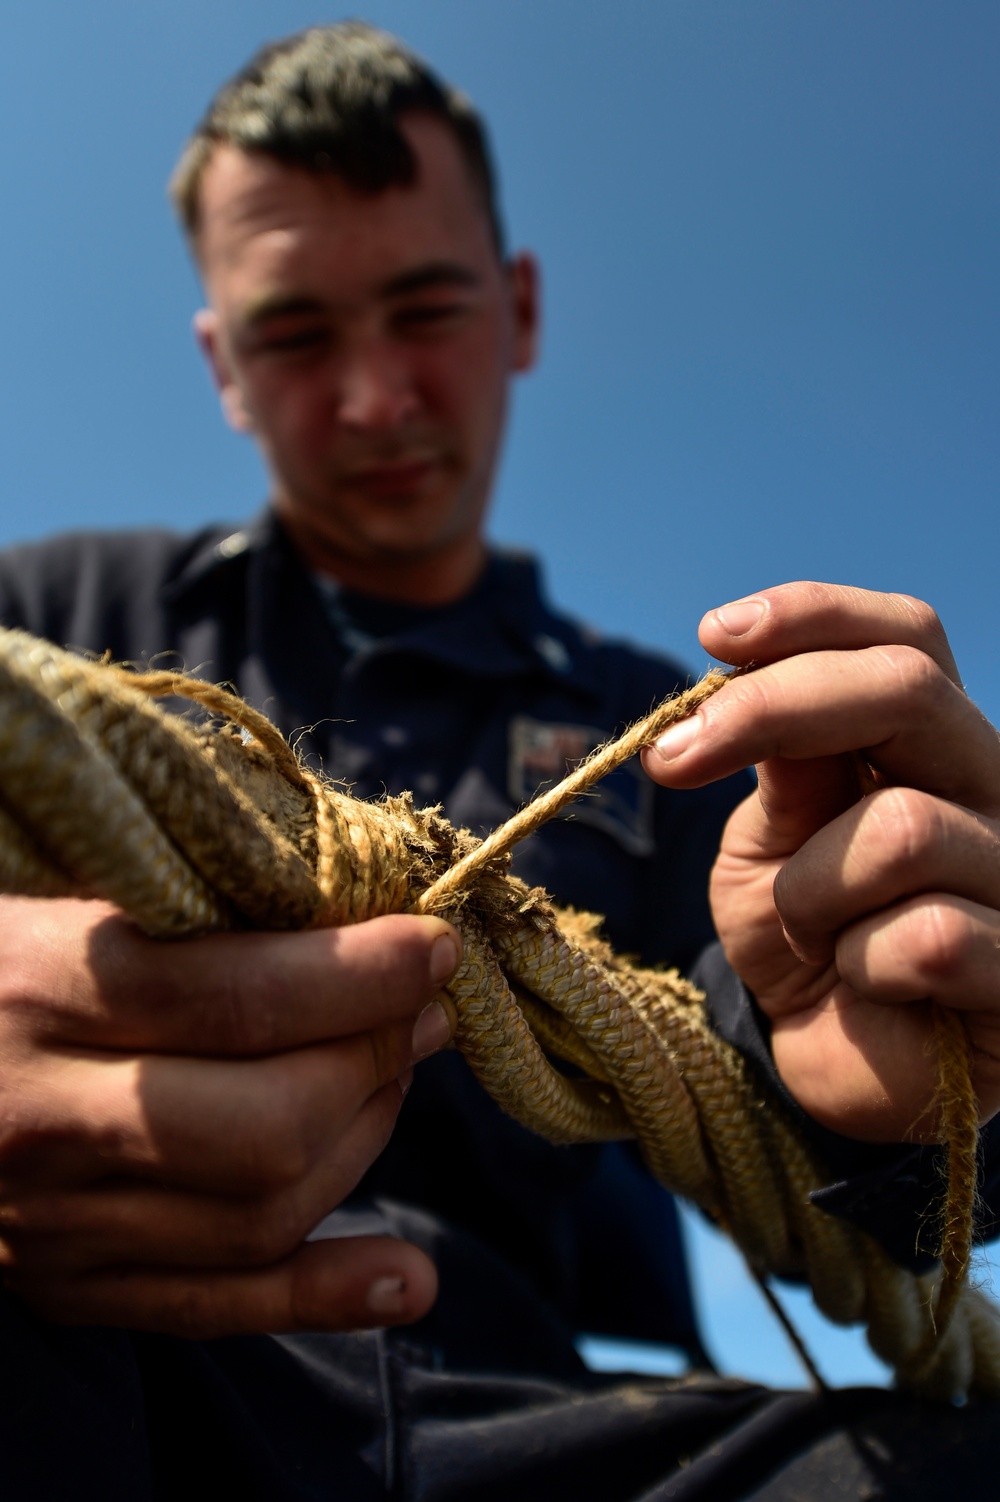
(540, 754)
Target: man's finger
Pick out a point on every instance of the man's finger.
(346, 1284)
(104, 984)
(893, 704)
(936, 946)
(892, 845)
(232, 1127)
(863, 1060)
(142, 1224)
(809, 617)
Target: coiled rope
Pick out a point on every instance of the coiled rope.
(191, 828)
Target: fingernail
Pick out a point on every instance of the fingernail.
(675, 741)
(387, 1296)
(431, 1031)
(404, 1081)
(741, 616)
(818, 954)
(795, 948)
(445, 957)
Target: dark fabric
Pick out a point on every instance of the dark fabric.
(398, 1415)
(70, 1400)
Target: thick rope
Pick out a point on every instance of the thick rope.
(191, 828)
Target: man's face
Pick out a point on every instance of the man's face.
(366, 340)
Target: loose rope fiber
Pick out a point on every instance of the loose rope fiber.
(193, 827)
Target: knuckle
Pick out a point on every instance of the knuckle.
(925, 620)
(44, 1229)
(942, 944)
(907, 825)
(391, 953)
(58, 957)
(15, 1226)
(22, 1215)
(191, 1310)
(916, 675)
(265, 1231)
(274, 1154)
(24, 1136)
(241, 1011)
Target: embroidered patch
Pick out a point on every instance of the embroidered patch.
(540, 754)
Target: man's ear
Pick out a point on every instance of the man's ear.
(209, 341)
(525, 284)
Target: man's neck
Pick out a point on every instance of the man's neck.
(438, 578)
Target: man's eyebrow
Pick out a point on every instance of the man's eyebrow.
(279, 305)
(417, 279)
(432, 274)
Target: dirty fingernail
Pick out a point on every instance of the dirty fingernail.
(431, 1031)
(675, 741)
(387, 1296)
(445, 957)
(741, 616)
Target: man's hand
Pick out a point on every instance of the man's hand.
(176, 1117)
(845, 914)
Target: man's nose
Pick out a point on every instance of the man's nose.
(377, 390)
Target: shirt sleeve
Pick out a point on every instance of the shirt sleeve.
(11, 614)
(893, 1192)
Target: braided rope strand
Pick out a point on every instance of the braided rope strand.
(191, 829)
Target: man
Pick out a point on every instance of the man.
(178, 1118)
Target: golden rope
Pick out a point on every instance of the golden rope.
(602, 760)
(191, 828)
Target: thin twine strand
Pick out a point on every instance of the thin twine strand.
(159, 683)
(959, 1130)
(795, 1340)
(959, 1113)
(602, 760)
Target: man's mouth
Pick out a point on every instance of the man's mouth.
(388, 478)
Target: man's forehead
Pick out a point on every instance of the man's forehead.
(248, 194)
(248, 198)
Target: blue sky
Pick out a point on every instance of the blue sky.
(769, 234)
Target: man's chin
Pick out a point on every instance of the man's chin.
(398, 527)
(391, 538)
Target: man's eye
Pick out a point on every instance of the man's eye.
(289, 341)
(430, 315)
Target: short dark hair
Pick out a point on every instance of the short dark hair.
(330, 99)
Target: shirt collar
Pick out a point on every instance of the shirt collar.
(220, 546)
(504, 626)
